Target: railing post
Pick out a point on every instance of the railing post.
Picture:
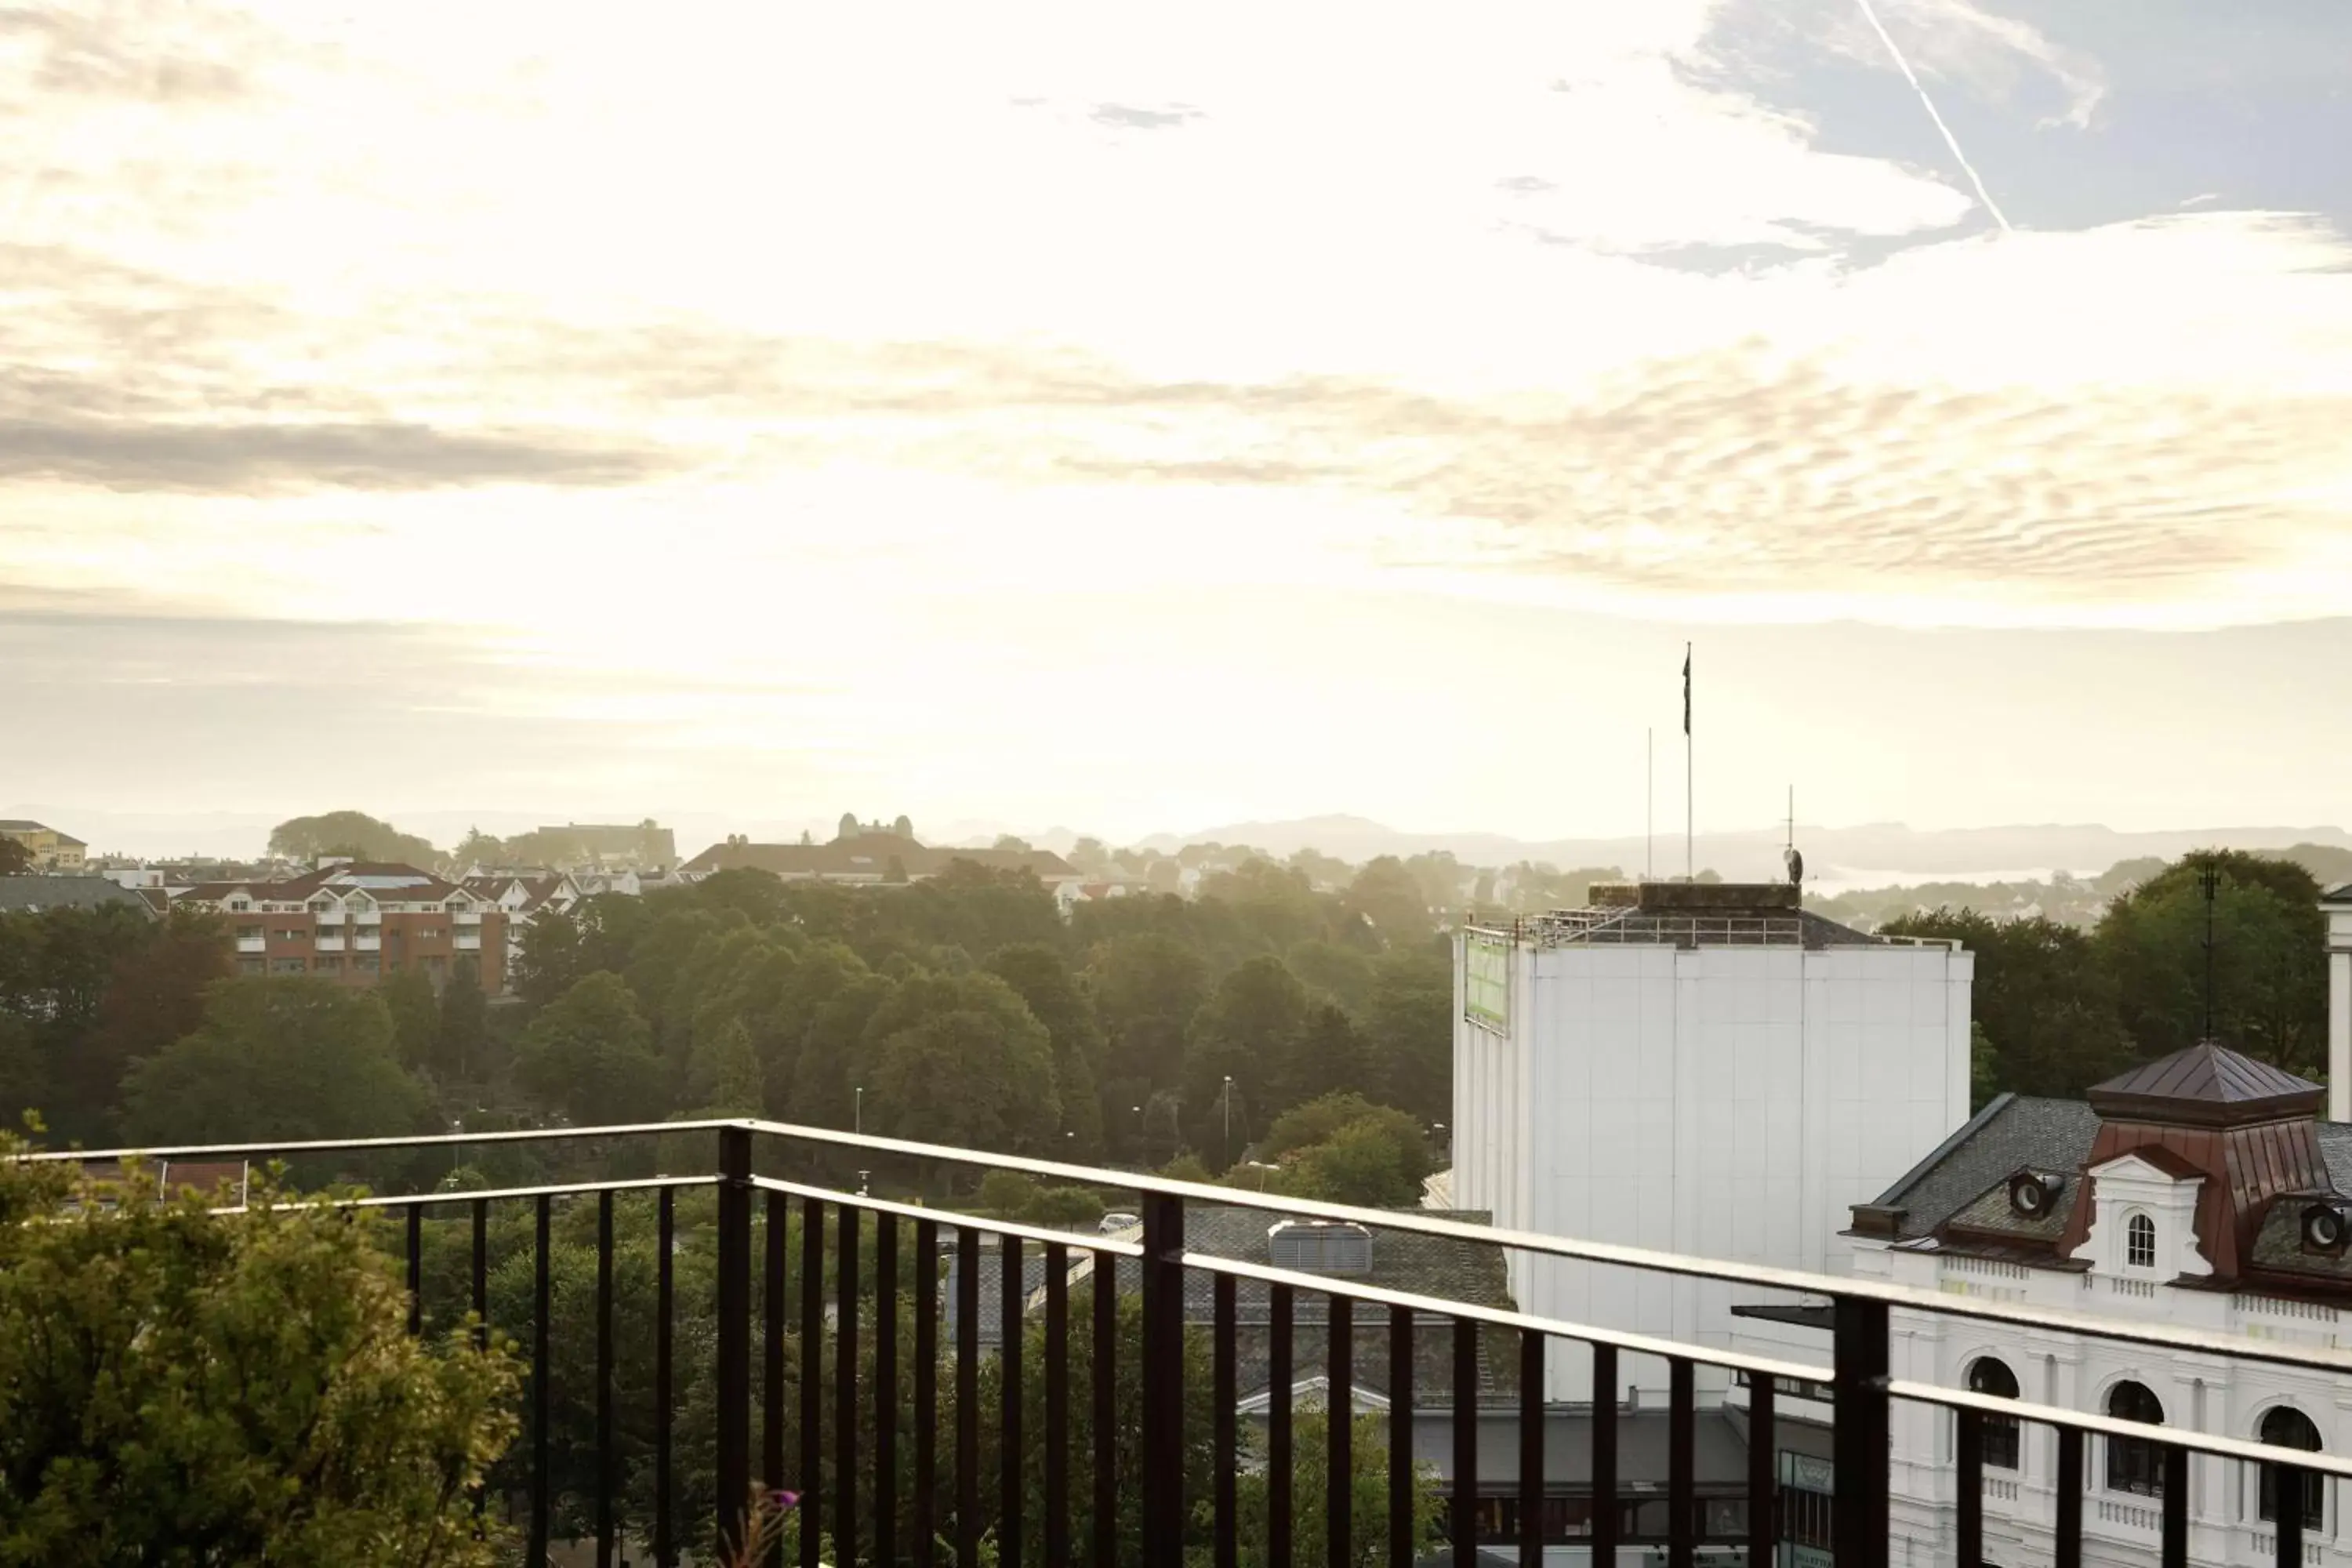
(1860, 1444)
(734, 1371)
(1163, 1381)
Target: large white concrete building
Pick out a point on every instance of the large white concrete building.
(2200, 1191)
(1695, 1069)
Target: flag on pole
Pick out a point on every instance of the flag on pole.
(1687, 706)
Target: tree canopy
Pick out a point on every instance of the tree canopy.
(186, 1387)
(293, 1058)
(354, 833)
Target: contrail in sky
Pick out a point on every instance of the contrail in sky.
(1949, 141)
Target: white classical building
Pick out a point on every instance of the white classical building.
(2200, 1190)
(1695, 1069)
(2337, 909)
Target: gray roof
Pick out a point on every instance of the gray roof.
(1719, 1447)
(2013, 1132)
(1965, 1181)
(1469, 1273)
(2342, 895)
(33, 894)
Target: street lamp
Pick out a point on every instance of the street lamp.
(1228, 1097)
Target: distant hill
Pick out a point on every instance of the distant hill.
(1889, 850)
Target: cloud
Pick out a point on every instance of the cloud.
(1130, 116)
(154, 53)
(245, 458)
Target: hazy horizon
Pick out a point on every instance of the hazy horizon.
(1083, 420)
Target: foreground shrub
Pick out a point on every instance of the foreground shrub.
(184, 1387)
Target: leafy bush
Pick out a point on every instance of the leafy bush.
(184, 1387)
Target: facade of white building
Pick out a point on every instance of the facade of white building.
(2201, 1191)
(1700, 1070)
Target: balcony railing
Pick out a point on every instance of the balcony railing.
(940, 1505)
(326, 943)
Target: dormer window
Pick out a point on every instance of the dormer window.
(2139, 1242)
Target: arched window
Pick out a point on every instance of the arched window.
(2284, 1426)
(1990, 1374)
(2139, 1242)
(2135, 1464)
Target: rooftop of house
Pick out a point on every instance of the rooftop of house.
(389, 881)
(24, 825)
(1687, 914)
(1468, 1271)
(2249, 1132)
(31, 895)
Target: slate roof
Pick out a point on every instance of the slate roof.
(2013, 1132)
(2342, 895)
(1991, 1210)
(1964, 1184)
(1469, 1273)
(30, 895)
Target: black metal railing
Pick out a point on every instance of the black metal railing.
(1135, 1478)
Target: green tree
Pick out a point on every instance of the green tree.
(408, 996)
(592, 1054)
(1343, 1148)
(479, 849)
(307, 837)
(1409, 1031)
(284, 1059)
(726, 1073)
(1311, 1469)
(980, 1076)
(2270, 986)
(16, 860)
(1393, 900)
(1045, 986)
(1343, 974)
(462, 1042)
(1248, 1031)
(56, 969)
(155, 996)
(188, 1388)
(2045, 995)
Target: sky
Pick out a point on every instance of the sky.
(1139, 418)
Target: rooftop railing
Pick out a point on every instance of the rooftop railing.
(1119, 1496)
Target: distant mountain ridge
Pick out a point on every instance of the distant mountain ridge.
(1892, 847)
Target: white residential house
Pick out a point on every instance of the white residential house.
(2201, 1191)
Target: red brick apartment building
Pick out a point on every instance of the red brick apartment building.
(358, 922)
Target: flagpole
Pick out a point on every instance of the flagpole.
(1650, 805)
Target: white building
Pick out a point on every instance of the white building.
(2200, 1190)
(2337, 908)
(1704, 1069)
